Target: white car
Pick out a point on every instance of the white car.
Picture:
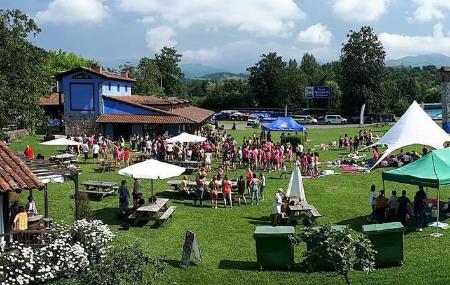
(305, 119)
(252, 120)
(335, 119)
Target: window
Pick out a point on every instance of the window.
(118, 87)
(109, 86)
(126, 88)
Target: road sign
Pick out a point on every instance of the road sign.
(317, 92)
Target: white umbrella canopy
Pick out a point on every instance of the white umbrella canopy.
(60, 142)
(152, 169)
(186, 138)
(295, 188)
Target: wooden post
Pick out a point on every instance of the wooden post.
(6, 212)
(46, 201)
(77, 196)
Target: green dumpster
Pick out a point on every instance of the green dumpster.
(274, 247)
(387, 240)
(327, 265)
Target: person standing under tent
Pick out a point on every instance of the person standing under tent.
(419, 208)
(380, 207)
(403, 206)
(372, 199)
(137, 193)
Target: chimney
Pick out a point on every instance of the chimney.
(98, 69)
(124, 74)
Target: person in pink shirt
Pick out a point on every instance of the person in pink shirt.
(255, 158)
(119, 156)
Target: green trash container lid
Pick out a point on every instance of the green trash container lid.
(273, 231)
(383, 228)
(338, 228)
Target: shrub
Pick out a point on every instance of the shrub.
(86, 212)
(294, 139)
(339, 249)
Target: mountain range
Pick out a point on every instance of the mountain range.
(435, 59)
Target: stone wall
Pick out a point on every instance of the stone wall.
(81, 124)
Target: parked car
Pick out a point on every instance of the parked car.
(305, 119)
(252, 119)
(335, 119)
(239, 116)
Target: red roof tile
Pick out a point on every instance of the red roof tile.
(192, 113)
(143, 119)
(99, 72)
(52, 100)
(14, 173)
(142, 99)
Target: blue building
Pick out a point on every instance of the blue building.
(96, 101)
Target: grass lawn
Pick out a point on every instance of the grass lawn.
(226, 235)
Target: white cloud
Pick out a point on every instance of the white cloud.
(159, 37)
(402, 45)
(262, 17)
(147, 20)
(316, 34)
(428, 10)
(73, 11)
(200, 55)
(360, 10)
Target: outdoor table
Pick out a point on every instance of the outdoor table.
(98, 188)
(64, 158)
(142, 157)
(107, 165)
(299, 211)
(150, 210)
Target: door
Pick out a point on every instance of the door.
(121, 130)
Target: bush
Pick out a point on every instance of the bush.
(339, 249)
(294, 140)
(86, 212)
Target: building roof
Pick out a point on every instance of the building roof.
(124, 99)
(52, 100)
(198, 115)
(14, 173)
(142, 99)
(97, 71)
(143, 119)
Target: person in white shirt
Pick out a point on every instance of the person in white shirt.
(31, 207)
(276, 208)
(262, 178)
(85, 150)
(372, 198)
(95, 152)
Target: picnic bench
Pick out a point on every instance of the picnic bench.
(303, 211)
(143, 157)
(99, 189)
(150, 211)
(107, 165)
(189, 165)
(166, 215)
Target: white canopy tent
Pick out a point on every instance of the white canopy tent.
(152, 169)
(186, 138)
(414, 127)
(295, 188)
(60, 142)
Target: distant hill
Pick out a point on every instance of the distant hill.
(196, 70)
(437, 60)
(224, 75)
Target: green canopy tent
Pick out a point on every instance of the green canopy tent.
(432, 170)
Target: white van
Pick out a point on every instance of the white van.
(252, 120)
(335, 119)
(305, 119)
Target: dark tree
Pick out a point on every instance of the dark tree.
(171, 76)
(362, 60)
(23, 71)
(265, 78)
(148, 78)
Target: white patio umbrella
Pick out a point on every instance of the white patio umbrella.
(186, 138)
(152, 169)
(60, 142)
(295, 188)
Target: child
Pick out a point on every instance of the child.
(283, 170)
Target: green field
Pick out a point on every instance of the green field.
(226, 235)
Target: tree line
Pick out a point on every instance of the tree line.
(358, 77)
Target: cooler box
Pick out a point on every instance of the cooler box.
(274, 247)
(387, 240)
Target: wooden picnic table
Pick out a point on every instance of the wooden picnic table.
(63, 157)
(153, 208)
(107, 165)
(303, 210)
(98, 188)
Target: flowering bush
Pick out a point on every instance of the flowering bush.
(68, 252)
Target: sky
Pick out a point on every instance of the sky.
(232, 34)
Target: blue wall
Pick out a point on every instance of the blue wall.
(115, 107)
(124, 88)
(84, 95)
